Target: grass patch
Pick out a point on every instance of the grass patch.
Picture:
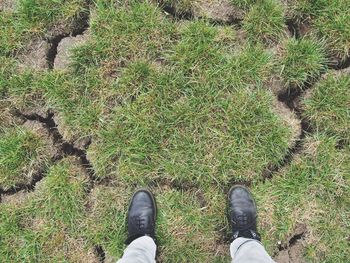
(32, 19)
(120, 36)
(106, 224)
(301, 62)
(22, 154)
(83, 103)
(193, 119)
(265, 22)
(316, 183)
(22, 88)
(328, 106)
(61, 196)
(185, 225)
(328, 20)
(245, 4)
(48, 224)
(17, 243)
(332, 24)
(166, 133)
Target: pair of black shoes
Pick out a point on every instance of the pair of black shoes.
(242, 214)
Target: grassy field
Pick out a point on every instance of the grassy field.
(187, 98)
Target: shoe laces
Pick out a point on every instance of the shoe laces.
(140, 222)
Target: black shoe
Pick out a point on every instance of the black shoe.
(141, 216)
(242, 213)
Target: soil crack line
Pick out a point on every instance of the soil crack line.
(292, 242)
(342, 64)
(55, 40)
(293, 28)
(38, 176)
(100, 253)
(172, 11)
(64, 148)
(291, 98)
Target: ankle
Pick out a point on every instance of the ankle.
(246, 234)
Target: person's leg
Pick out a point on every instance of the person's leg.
(246, 250)
(141, 250)
(141, 229)
(246, 246)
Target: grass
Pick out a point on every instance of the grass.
(245, 4)
(124, 35)
(328, 20)
(328, 106)
(46, 225)
(265, 22)
(317, 186)
(153, 136)
(83, 102)
(332, 25)
(185, 108)
(301, 62)
(157, 140)
(22, 153)
(32, 19)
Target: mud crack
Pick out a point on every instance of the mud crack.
(54, 41)
(38, 176)
(100, 253)
(64, 148)
(341, 64)
(293, 28)
(171, 10)
(291, 251)
(291, 97)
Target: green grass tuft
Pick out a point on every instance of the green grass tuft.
(245, 4)
(328, 20)
(328, 106)
(22, 153)
(120, 36)
(317, 186)
(62, 195)
(265, 22)
(46, 225)
(301, 61)
(333, 25)
(190, 133)
(32, 19)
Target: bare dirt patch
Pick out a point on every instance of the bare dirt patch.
(275, 85)
(292, 252)
(15, 199)
(220, 11)
(77, 253)
(64, 48)
(109, 259)
(35, 55)
(7, 5)
(291, 255)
